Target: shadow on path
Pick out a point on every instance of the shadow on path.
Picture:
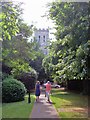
(43, 109)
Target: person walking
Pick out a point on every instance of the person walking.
(37, 91)
(48, 90)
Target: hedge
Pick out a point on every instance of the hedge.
(12, 90)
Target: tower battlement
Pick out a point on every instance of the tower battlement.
(43, 29)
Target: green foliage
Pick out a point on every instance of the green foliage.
(9, 16)
(12, 90)
(23, 72)
(4, 75)
(29, 79)
(19, 47)
(68, 55)
(18, 51)
(37, 62)
(25, 30)
(18, 67)
(46, 64)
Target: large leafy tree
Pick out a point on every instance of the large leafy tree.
(71, 48)
(16, 48)
(17, 52)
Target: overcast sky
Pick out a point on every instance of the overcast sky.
(33, 12)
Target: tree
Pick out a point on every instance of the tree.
(37, 62)
(16, 49)
(9, 16)
(71, 48)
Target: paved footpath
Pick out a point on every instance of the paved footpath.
(43, 109)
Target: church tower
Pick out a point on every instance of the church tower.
(42, 37)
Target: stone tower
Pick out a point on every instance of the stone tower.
(42, 37)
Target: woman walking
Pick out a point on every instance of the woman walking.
(37, 90)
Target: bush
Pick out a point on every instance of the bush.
(6, 69)
(29, 80)
(5, 75)
(12, 90)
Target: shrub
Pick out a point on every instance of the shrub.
(12, 90)
(28, 79)
(6, 69)
(4, 75)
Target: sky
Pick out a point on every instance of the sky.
(33, 10)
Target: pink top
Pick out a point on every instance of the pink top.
(48, 87)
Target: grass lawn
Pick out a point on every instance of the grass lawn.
(0, 111)
(20, 109)
(70, 105)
